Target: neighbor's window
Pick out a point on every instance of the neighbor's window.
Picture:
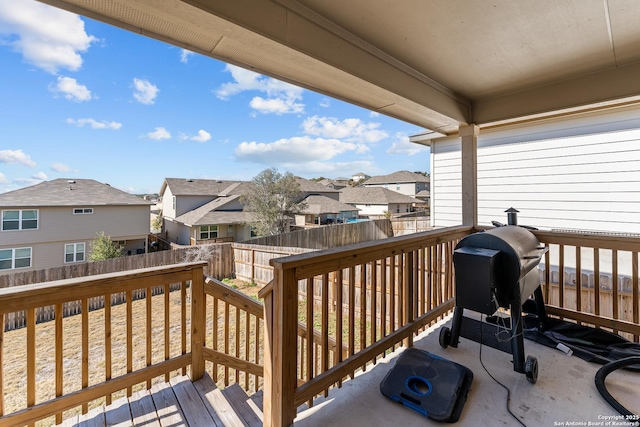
(15, 258)
(81, 211)
(397, 186)
(20, 220)
(74, 252)
(208, 231)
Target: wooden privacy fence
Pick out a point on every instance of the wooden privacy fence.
(219, 264)
(329, 236)
(252, 261)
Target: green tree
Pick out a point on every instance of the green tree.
(156, 224)
(102, 247)
(273, 199)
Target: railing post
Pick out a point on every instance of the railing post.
(280, 349)
(198, 325)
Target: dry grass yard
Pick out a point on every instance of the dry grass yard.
(14, 348)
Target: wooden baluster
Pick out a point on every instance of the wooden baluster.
(561, 276)
(107, 341)
(129, 308)
(324, 326)
(634, 292)
(578, 280)
(374, 304)
(59, 344)
(31, 358)
(149, 331)
(167, 327)
(310, 362)
(363, 310)
(198, 324)
(596, 281)
(339, 323)
(352, 308)
(614, 285)
(183, 321)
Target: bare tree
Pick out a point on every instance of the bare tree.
(274, 199)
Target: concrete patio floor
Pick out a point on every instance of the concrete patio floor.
(565, 393)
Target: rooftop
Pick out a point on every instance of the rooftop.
(400, 176)
(374, 195)
(69, 192)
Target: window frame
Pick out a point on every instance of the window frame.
(75, 252)
(208, 232)
(20, 219)
(83, 211)
(13, 258)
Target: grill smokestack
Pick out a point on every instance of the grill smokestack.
(512, 216)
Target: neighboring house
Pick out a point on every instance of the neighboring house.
(408, 183)
(51, 224)
(308, 187)
(377, 201)
(323, 210)
(208, 211)
(204, 211)
(334, 184)
(579, 173)
(359, 177)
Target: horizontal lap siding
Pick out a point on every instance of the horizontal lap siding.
(446, 189)
(585, 182)
(579, 173)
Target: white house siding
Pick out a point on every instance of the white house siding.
(582, 173)
(446, 189)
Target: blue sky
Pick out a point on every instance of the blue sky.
(82, 99)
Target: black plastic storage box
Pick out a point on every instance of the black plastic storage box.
(428, 384)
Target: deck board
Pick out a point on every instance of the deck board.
(177, 403)
(192, 405)
(118, 414)
(143, 411)
(167, 406)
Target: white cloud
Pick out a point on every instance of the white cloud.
(353, 130)
(71, 89)
(59, 167)
(406, 147)
(374, 114)
(277, 106)
(35, 179)
(282, 98)
(292, 150)
(3, 179)
(47, 37)
(16, 156)
(159, 133)
(145, 92)
(203, 136)
(184, 55)
(324, 103)
(94, 123)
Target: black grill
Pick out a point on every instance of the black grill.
(496, 268)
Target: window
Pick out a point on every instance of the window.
(174, 203)
(20, 220)
(230, 230)
(15, 258)
(208, 231)
(397, 186)
(81, 211)
(74, 252)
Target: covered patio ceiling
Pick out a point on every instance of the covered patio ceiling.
(438, 64)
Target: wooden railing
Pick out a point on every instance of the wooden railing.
(367, 298)
(599, 280)
(89, 359)
(326, 315)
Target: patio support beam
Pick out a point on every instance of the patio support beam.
(469, 165)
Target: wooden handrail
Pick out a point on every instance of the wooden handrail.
(315, 263)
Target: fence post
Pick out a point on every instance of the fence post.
(198, 325)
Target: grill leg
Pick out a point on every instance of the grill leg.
(456, 323)
(517, 340)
